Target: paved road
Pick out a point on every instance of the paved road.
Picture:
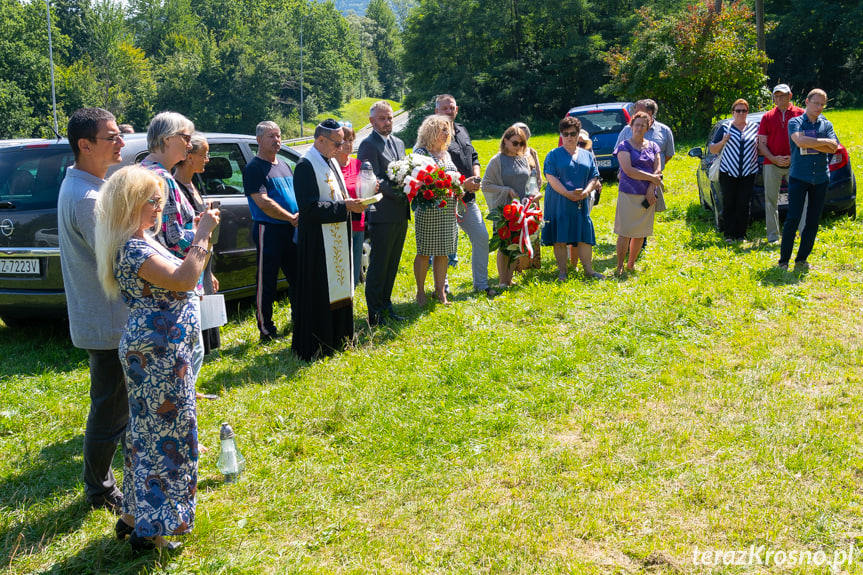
(400, 120)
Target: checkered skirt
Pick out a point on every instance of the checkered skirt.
(436, 229)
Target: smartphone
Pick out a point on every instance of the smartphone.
(215, 204)
(645, 204)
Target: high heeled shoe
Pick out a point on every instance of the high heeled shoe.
(122, 529)
(140, 544)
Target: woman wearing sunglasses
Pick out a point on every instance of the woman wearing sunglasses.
(737, 142)
(506, 178)
(572, 175)
(156, 351)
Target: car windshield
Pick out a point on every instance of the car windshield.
(601, 121)
(30, 179)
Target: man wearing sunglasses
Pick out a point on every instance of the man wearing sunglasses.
(96, 323)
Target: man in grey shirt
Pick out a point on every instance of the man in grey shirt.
(657, 132)
(95, 322)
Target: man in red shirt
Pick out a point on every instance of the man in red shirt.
(773, 144)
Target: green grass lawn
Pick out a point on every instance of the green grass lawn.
(708, 403)
(355, 111)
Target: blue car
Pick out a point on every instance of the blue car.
(604, 122)
(841, 192)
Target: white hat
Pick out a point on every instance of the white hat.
(783, 88)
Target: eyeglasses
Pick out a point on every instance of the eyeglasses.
(517, 143)
(337, 144)
(741, 111)
(186, 137)
(569, 134)
(157, 201)
(113, 139)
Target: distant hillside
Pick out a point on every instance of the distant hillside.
(356, 6)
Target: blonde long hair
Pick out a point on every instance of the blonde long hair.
(118, 218)
(430, 129)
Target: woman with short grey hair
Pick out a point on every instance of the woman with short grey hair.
(169, 139)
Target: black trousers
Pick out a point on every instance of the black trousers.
(276, 252)
(106, 423)
(387, 240)
(736, 195)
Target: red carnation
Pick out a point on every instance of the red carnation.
(514, 225)
(503, 233)
(461, 178)
(427, 180)
(440, 184)
(532, 226)
(442, 204)
(510, 211)
(428, 194)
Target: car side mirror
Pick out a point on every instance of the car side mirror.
(695, 153)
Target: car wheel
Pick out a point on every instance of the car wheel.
(717, 210)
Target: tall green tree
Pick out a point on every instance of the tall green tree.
(511, 60)
(695, 64)
(817, 44)
(368, 83)
(387, 48)
(25, 87)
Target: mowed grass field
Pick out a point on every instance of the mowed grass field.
(709, 404)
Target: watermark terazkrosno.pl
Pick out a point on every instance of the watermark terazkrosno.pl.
(762, 555)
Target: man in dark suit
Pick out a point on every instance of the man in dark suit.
(387, 221)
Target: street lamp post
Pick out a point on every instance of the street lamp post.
(51, 60)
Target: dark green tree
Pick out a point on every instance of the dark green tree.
(817, 44)
(387, 48)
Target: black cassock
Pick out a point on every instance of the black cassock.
(320, 327)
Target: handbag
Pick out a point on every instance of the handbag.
(713, 171)
(660, 198)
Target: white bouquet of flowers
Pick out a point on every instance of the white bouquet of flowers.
(423, 182)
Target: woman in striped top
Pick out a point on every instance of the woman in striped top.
(739, 140)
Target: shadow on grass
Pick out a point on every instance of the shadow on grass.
(107, 555)
(31, 347)
(50, 474)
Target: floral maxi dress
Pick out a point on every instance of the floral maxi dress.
(161, 463)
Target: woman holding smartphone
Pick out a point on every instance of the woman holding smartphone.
(640, 174)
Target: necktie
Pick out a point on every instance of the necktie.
(392, 149)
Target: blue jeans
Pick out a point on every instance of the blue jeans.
(798, 192)
(474, 226)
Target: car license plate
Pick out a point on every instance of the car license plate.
(783, 200)
(603, 163)
(19, 266)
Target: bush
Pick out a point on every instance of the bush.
(695, 64)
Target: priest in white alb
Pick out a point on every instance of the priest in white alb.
(325, 318)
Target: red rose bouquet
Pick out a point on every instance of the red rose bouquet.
(515, 226)
(423, 182)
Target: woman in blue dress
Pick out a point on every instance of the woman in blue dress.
(161, 464)
(572, 175)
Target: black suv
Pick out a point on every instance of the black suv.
(31, 283)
